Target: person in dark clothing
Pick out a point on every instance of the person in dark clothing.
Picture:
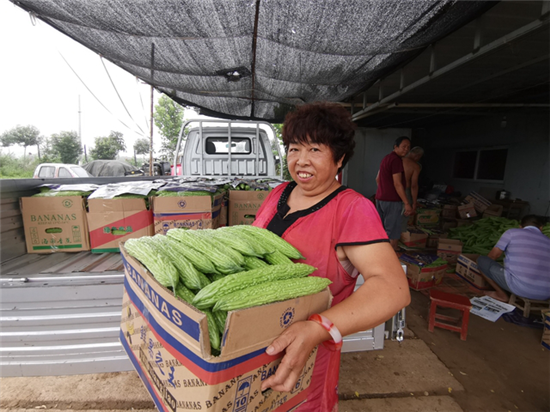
(391, 198)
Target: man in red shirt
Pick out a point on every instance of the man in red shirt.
(391, 199)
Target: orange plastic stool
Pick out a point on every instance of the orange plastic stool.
(449, 300)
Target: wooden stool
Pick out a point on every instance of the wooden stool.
(528, 304)
(449, 300)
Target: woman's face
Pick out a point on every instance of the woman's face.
(312, 166)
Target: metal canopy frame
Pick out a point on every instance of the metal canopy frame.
(414, 95)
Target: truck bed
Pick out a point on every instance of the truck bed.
(60, 312)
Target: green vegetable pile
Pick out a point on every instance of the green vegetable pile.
(169, 193)
(49, 193)
(482, 235)
(249, 184)
(436, 263)
(218, 270)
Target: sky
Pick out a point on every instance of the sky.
(40, 87)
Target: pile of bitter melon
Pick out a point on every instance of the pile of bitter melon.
(218, 270)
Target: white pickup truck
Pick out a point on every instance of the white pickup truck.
(205, 146)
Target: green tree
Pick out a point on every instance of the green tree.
(141, 146)
(49, 154)
(279, 134)
(168, 118)
(22, 135)
(66, 146)
(109, 147)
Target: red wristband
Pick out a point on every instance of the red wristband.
(336, 341)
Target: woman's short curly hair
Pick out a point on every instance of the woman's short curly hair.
(322, 123)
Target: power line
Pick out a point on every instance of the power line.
(98, 100)
(119, 97)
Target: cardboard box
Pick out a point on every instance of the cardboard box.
(480, 203)
(191, 212)
(114, 220)
(224, 212)
(493, 210)
(55, 224)
(449, 211)
(433, 237)
(244, 204)
(419, 276)
(427, 217)
(449, 249)
(463, 222)
(447, 224)
(467, 211)
(466, 268)
(167, 341)
(414, 237)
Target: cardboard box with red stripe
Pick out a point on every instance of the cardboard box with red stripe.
(111, 221)
(191, 212)
(421, 274)
(167, 341)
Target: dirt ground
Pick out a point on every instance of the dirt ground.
(500, 367)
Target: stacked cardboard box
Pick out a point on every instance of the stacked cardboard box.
(55, 224)
(111, 221)
(418, 275)
(428, 217)
(244, 204)
(433, 237)
(191, 212)
(467, 211)
(493, 210)
(480, 203)
(449, 211)
(167, 341)
(414, 237)
(449, 249)
(447, 224)
(466, 268)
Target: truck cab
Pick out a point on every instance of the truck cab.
(227, 148)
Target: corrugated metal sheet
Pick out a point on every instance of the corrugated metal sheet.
(60, 315)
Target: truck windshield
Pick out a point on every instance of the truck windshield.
(219, 145)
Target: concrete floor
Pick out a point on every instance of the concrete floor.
(500, 367)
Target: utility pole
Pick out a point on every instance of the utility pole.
(152, 107)
(80, 129)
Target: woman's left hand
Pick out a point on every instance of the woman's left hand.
(297, 341)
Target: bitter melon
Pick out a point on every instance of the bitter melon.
(213, 331)
(189, 275)
(197, 258)
(270, 292)
(223, 262)
(271, 239)
(209, 295)
(163, 271)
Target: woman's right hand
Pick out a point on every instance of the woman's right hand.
(297, 342)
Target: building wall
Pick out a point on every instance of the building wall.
(527, 169)
(527, 172)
